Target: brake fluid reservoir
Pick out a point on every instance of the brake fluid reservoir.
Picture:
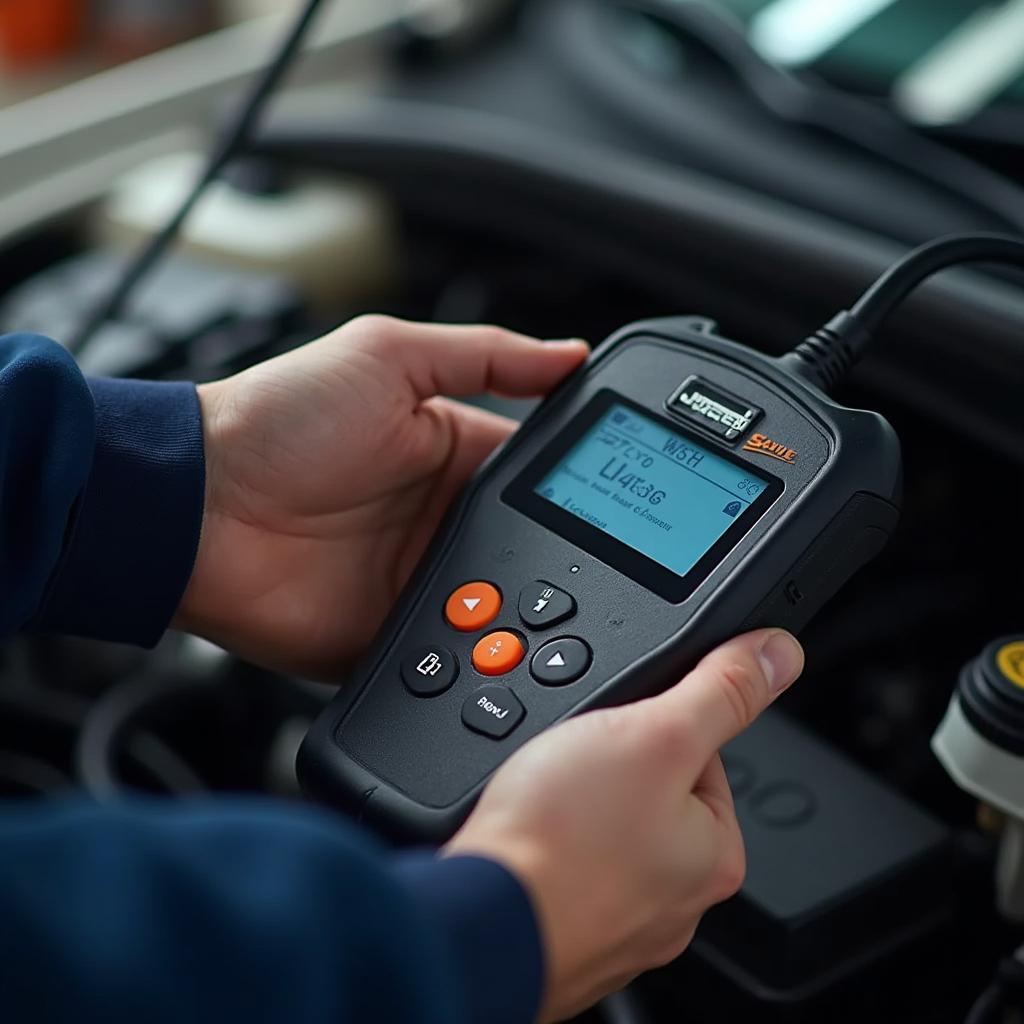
(980, 743)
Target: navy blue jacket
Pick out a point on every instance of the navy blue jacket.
(212, 910)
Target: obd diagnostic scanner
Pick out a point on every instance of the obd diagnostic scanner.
(679, 489)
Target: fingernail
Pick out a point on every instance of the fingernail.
(782, 659)
(566, 342)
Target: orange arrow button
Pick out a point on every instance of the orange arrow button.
(473, 606)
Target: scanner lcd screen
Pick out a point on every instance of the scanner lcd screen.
(651, 488)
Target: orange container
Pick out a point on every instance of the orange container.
(38, 31)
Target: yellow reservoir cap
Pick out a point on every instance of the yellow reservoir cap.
(1010, 661)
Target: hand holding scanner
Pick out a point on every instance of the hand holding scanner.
(680, 488)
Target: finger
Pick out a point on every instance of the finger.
(473, 434)
(453, 360)
(728, 690)
(478, 433)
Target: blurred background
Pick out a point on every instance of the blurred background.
(48, 43)
(564, 167)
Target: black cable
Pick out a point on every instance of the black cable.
(875, 305)
(622, 1007)
(825, 356)
(809, 103)
(987, 1007)
(54, 713)
(1005, 993)
(22, 775)
(232, 141)
(122, 719)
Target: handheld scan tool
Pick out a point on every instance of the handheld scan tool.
(678, 489)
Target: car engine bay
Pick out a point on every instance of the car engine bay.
(495, 184)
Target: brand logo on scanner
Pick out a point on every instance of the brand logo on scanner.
(773, 449)
(711, 409)
(717, 410)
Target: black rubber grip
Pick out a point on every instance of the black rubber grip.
(855, 536)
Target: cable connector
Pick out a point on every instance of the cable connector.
(824, 357)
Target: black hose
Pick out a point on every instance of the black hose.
(987, 1007)
(22, 775)
(63, 715)
(809, 103)
(622, 1008)
(1005, 993)
(120, 721)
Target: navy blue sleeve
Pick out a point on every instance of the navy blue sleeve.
(224, 911)
(249, 911)
(101, 497)
(47, 436)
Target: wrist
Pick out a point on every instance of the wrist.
(197, 610)
(529, 864)
(129, 546)
(481, 914)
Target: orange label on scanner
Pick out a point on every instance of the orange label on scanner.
(773, 449)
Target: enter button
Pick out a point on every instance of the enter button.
(493, 710)
(498, 653)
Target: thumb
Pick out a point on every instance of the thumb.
(441, 359)
(729, 688)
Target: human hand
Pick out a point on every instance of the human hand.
(328, 471)
(620, 822)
